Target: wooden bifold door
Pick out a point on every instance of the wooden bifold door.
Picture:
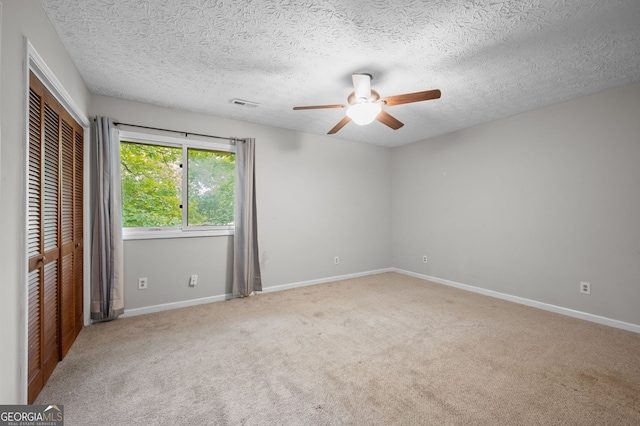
(54, 235)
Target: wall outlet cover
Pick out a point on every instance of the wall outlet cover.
(142, 283)
(585, 288)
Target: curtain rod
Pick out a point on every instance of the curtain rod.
(186, 134)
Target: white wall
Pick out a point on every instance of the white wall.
(21, 19)
(317, 197)
(530, 205)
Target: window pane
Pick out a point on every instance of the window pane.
(151, 185)
(211, 187)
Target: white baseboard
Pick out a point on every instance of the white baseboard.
(533, 303)
(175, 305)
(325, 280)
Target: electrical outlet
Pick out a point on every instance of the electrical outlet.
(193, 281)
(585, 288)
(336, 260)
(424, 259)
(142, 283)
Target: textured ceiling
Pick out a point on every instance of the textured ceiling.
(490, 59)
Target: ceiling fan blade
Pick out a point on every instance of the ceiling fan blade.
(362, 85)
(386, 118)
(407, 98)
(318, 107)
(340, 125)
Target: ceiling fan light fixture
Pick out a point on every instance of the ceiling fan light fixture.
(364, 113)
(365, 104)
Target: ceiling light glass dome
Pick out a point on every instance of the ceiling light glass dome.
(364, 113)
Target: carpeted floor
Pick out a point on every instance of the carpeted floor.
(379, 350)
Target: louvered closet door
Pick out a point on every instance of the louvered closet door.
(34, 244)
(78, 229)
(70, 231)
(54, 257)
(67, 302)
(43, 239)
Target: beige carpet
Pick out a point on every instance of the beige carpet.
(380, 350)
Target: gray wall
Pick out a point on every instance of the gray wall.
(318, 197)
(168, 264)
(21, 19)
(530, 205)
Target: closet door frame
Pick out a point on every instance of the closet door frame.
(35, 64)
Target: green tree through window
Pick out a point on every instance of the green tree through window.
(211, 187)
(152, 178)
(151, 185)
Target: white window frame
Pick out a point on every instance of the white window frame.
(176, 231)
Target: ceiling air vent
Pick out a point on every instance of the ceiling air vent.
(244, 103)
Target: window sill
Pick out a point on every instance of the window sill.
(146, 234)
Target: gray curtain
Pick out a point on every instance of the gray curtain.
(107, 283)
(246, 263)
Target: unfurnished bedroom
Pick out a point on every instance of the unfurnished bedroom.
(320, 212)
